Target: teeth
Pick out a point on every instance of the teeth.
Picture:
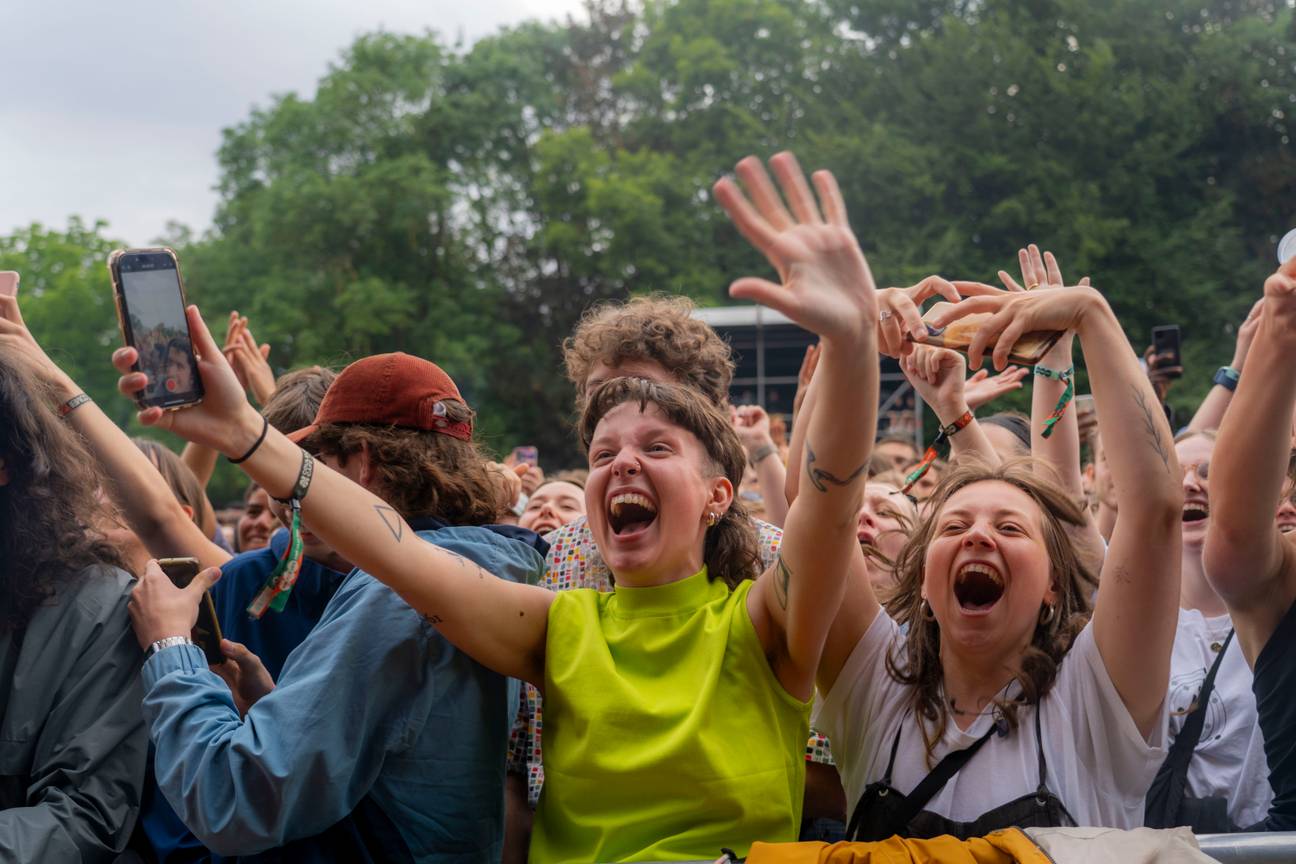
(981, 569)
(631, 498)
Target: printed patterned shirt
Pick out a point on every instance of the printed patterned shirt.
(574, 562)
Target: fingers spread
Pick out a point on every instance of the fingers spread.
(830, 198)
(763, 194)
(795, 188)
(1009, 282)
(1052, 270)
(977, 289)
(744, 216)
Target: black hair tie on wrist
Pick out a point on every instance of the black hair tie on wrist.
(265, 427)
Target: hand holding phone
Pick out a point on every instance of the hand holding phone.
(151, 312)
(206, 632)
(526, 455)
(1166, 360)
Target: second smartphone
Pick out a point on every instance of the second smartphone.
(151, 311)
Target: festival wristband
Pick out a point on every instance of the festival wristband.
(762, 453)
(279, 584)
(72, 404)
(1227, 377)
(1067, 377)
(930, 456)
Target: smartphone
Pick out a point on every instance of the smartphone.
(958, 336)
(8, 283)
(151, 312)
(1165, 344)
(526, 455)
(206, 632)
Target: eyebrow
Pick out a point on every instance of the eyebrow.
(1000, 512)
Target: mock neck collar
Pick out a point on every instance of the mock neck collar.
(688, 593)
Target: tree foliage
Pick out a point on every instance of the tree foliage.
(467, 204)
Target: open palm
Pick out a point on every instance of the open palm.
(826, 285)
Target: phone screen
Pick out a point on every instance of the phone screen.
(153, 308)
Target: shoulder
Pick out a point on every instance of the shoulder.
(505, 556)
(95, 592)
(573, 560)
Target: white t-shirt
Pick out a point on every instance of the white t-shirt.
(1098, 764)
(1229, 761)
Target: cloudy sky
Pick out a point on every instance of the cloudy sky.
(113, 110)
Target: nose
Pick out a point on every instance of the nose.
(978, 534)
(867, 519)
(625, 465)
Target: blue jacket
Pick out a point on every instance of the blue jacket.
(272, 638)
(276, 634)
(381, 741)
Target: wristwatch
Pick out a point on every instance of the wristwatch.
(1227, 376)
(166, 642)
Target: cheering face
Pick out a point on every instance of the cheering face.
(1194, 457)
(552, 506)
(881, 523)
(987, 572)
(1287, 514)
(257, 522)
(650, 488)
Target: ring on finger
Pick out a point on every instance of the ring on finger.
(885, 314)
(1032, 286)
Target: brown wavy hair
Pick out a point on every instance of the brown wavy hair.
(731, 553)
(658, 329)
(184, 484)
(920, 668)
(50, 509)
(418, 472)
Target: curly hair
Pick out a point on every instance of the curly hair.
(921, 668)
(50, 508)
(731, 551)
(418, 472)
(657, 329)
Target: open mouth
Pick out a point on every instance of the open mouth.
(1195, 511)
(630, 513)
(977, 587)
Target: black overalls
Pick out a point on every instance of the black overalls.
(882, 811)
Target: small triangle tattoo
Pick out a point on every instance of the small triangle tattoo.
(392, 520)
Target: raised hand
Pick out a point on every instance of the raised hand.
(900, 315)
(249, 360)
(938, 375)
(15, 335)
(1016, 313)
(826, 284)
(752, 424)
(983, 388)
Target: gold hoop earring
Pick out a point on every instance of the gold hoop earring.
(925, 610)
(712, 518)
(1047, 616)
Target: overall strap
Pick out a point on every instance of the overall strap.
(1191, 732)
(934, 782)
(895, 745)
(1042, 789)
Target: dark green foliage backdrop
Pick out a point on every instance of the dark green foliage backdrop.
(467, 204)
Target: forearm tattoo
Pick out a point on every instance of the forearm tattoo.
(1152, 428)
(782, 577)
(395, 524)
(818, 476)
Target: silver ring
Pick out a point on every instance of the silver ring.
(885, 314)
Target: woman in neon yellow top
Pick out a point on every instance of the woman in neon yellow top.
(677, 706)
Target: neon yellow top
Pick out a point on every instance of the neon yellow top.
(666, 735)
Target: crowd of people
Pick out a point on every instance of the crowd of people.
(725, 628)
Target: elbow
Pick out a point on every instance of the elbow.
(1158, 510)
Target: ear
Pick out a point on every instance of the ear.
(188, 511)
(365, 465)
(722, 495)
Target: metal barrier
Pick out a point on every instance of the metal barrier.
(1275, 848)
